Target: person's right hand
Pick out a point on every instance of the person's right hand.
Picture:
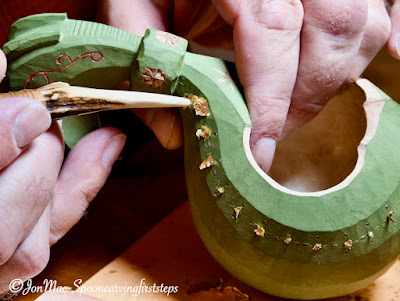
(291, 56)
(41, 197)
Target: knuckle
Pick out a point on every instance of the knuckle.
(377, 32)
(53, 138)
(40, 191)
(7, 241)
(268, 115)
(385, 28)
(89, 191)
(301, 107)
(323, 76)
(8, 150)
(262, 104)
(7, 153)
(286, 15)
(315, 88)
(6, 251)
(32, 260)
(344, 17)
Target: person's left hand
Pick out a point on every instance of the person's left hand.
(42, 197)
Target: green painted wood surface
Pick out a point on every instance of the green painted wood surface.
(50, 47)
(100, 56)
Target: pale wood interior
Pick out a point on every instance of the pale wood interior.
(322, 153)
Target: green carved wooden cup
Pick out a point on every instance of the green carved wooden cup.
(328, 242)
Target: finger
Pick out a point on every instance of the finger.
(166, 125)
(3, 65)
(21, 121)
(376, 33)
(83, 174)
(266, 40)
(26, 188)
(330, 40)
(136, 15)
(31, 256)
(393, 44)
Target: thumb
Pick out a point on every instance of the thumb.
(83, 174)
(267, 42)
(21, 121)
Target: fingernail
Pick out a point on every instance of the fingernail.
(263, 152)
(113, 149)
(31, 122)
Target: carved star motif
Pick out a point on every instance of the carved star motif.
(225, 77)
(154, 78)
(166, 38)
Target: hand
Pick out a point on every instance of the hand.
(291, 55)
(41, 199)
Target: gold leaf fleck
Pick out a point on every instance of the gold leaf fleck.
(207, 163)
(237, 211)
(200, 105)
(221, 190)
(390, 215)
(225, 293)
(370, 234)
(260, 231)
(317, 247)
(204, 133)
(234, 291)
(348, 244)
(154, 78)
(288, 240)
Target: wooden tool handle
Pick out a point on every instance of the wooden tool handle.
(63, 100)
(31, 93)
